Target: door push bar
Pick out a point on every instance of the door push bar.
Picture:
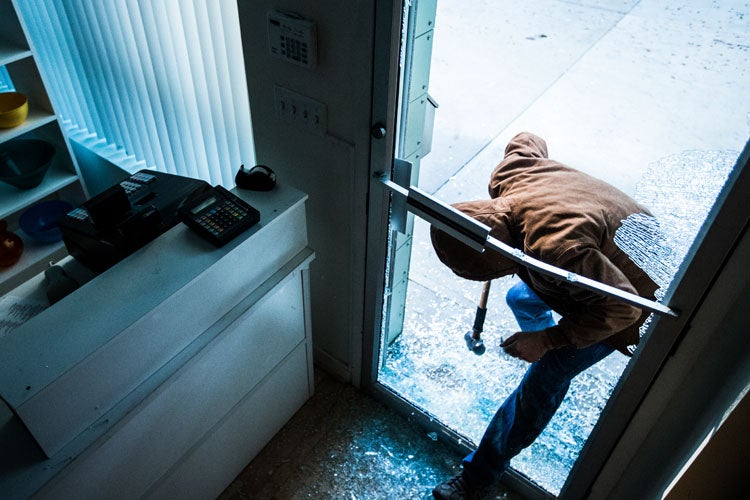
(477, 236)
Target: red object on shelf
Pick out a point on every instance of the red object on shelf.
(11, 246)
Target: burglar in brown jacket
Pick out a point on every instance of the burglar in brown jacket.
(566, 218)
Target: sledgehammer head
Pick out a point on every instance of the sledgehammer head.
(475, 344)
(472, 337)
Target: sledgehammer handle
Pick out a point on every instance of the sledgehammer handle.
(478, 322)
(485, 294)
(481, 311)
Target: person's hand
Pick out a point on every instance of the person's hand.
(528, 346)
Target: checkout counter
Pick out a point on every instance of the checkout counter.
(165, 374)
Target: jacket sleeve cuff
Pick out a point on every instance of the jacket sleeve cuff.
(557, 338)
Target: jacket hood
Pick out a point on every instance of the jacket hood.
(468, 263)
(528, 145)
(524, 152)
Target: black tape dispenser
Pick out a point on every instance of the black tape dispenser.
(258, 178)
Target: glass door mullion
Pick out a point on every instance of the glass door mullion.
(476, 235)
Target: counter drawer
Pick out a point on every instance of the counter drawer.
(173, 420)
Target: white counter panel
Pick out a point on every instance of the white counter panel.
(179, 354)
(165, 426)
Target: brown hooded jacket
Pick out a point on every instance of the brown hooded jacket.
(566, 218)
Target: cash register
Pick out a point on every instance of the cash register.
(120, 220)
(117, 222)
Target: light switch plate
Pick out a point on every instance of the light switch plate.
(300, 110)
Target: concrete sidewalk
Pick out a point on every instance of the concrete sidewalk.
(612, 86)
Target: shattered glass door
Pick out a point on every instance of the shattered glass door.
(643, 95)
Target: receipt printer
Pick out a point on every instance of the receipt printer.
(117, 222)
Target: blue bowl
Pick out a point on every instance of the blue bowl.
(40, 221)
(24, 162)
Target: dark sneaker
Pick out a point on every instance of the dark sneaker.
(456, 488)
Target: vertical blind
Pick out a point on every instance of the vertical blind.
(157, 82)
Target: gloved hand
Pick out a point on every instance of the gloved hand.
(528, 346)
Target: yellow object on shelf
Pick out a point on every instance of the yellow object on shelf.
(14, 108)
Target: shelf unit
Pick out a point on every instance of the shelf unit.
(63, 180)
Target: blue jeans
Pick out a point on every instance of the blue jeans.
(528, 410)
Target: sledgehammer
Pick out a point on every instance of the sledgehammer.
(473, 337)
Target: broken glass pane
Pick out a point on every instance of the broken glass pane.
(679, 190)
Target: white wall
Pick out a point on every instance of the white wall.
(333, 168)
